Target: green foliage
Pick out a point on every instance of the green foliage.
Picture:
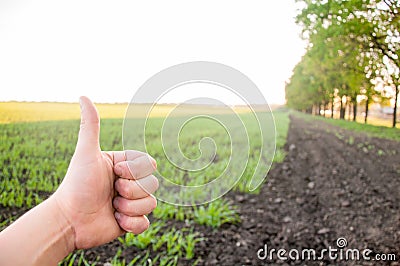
(116, 261)
(169, 211)
(190, 243)
(144, 239)
(178, 242)
(169, 243)
(352, 46)
(213, 214)
(34, 158)
(76, 258)
(282, 128)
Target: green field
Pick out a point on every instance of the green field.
(34, 157)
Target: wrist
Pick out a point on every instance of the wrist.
(43, 235)
(64, 225)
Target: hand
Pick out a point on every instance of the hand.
(88, 197)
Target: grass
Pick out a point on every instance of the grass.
(175, 242)
(143, 240)
(212, 214)
(34, 158)
(372, 130)
(372, 120)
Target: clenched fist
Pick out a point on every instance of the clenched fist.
(103, 195)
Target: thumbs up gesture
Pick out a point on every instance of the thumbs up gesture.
(105, 194)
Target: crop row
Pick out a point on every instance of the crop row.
(34, 158)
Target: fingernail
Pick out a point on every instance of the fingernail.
(117, 215)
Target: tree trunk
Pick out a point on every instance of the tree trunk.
(325, 107)
(366, 110)
(395, 105)
(332, 106)
(355, 111)
(348, 106)
(342, 109)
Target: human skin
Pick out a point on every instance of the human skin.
(102, 196)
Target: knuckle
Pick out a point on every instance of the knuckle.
(123, 205)
(122, 170)
(121, 187)
(123, 223)
(127, 191)
(132, 191)
(132, 172)
(117, 185)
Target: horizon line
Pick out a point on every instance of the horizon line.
(127, 103)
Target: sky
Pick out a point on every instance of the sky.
(59, 50)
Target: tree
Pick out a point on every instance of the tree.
(328, 71)
(370, 25)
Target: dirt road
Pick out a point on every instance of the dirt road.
(333, 184)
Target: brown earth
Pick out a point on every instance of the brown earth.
(332, 184)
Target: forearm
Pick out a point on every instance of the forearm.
(42, 236)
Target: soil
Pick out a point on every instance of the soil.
(332, 184)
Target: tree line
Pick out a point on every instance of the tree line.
(352, 56)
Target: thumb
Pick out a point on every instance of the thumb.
(88, 139)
